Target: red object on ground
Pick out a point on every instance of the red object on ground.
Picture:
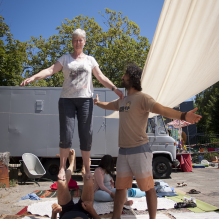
(22, 211)
(185, 162)
(210, 149)
(72, 184)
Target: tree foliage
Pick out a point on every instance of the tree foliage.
(120, 44)
(208, 104)
(13, 57)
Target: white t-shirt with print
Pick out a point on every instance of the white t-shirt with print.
(77, 76)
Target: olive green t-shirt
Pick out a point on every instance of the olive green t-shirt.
(133, 116)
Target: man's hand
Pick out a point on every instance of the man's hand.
(104, 105)
(88, 206)
(56, 208)
(119, 93)
(96, 100)
(192, 117)
(27, 81)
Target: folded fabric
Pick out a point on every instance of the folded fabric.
(161, 186)
(72, 184)
(31, 196)
(160, 183)
(167, 194)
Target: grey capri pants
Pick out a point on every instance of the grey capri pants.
(83, 109)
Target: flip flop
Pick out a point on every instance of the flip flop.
(193, 191)
(181, 184)
(191, 205)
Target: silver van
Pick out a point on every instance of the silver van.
(30, 124)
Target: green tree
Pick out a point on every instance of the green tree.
(208, 104)
(120, 44)
(214, 111)
(13, 57)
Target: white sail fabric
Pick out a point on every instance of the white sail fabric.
(183, 58)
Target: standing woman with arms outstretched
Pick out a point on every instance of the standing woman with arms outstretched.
(76, 98)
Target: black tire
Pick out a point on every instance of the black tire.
(162, 168)
(52, 169)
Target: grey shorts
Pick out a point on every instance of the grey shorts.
(69, 108)
(136, 161)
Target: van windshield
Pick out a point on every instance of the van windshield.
(161, 126)
(150, 128)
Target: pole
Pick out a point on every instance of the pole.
(188, 138)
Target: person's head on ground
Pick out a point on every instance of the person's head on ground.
(107, 164)
(132, 77)
(78, 39)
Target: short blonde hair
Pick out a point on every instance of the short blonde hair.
(79, 32)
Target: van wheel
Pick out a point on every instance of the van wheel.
(52, 169)
(162, 168)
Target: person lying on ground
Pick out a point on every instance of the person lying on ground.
(66, 207)
(104, 190)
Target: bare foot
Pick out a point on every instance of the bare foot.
(83, 169)
(71, 156)
(61, 175)
(88, 175)
(72, 159)
(129, 202)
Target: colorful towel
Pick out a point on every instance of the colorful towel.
(72, 184)
(53, 193)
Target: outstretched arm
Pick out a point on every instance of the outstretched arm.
(106, 82)
(45, 73)
(174, 114)
(104, 105)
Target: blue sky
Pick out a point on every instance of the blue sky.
(28, 18)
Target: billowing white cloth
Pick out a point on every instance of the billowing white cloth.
(183, 58)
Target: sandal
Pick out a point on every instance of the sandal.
(181, 184)
(191, 205)
(193, 191)
(180, 205)
(185, 205)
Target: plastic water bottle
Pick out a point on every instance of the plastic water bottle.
(135, 192)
